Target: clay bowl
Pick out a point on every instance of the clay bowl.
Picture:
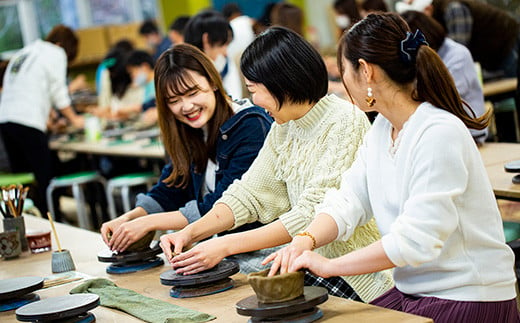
(140, 244)
(276, 289)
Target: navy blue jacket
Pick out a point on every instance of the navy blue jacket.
(240, 139)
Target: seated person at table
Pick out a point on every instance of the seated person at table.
(139, 65)
(210, 139)
(116, 90)
(421, 176)
(459, 62)
(313, 140)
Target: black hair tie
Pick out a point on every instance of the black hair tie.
(410, 45)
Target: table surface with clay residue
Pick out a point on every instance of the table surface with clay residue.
(84, 246)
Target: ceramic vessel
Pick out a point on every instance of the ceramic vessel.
(140, 244)
(278, 288)
(10, 246)
(17, 224)
(62, 261)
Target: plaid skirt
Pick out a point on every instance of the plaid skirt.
(449, 311)
(336, 286)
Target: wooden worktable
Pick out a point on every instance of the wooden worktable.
(84, 246)
(495, 155)
(140, 148)
(499, 87)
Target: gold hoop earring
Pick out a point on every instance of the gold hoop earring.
(370, 98)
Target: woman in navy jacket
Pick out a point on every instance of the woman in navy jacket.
(210, 140)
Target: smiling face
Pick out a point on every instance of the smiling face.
(196, 106)
(263, 98)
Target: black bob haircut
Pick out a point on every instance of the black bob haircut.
(211, 22)
(287, 65)
(138, 57)
(148, 27)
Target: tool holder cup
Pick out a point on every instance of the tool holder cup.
(17, 224)
(62, 261)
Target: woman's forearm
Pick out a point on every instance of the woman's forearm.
(324, 229)
(267, 236)
(218, 219)
(369, 259)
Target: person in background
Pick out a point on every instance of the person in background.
(211, 32)
(154, 39)
(176, 30)
(243, 35)
(210, 139)
(34, 83)
(264, 22)
(139, 65)
(314, 139)
(421, 176)
(289, 16)
(490, 34)
(459, 62)
(4, 160)
(348, 12)
(116, 88)
(242, 27)
(102, 71)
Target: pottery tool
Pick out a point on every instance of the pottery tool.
(17, 292)
(212, 281)
(21, 199)
(131, 261)
(68, 308)
(54, 231)
(301, 309)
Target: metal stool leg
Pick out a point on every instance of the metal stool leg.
(50, 204)
(110, 200)
(125, 196)
(83, 219)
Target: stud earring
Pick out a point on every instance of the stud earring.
(370, 98)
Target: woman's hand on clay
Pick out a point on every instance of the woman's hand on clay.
(203, 256)
(283, 259)
(315, 263)
(127, 233)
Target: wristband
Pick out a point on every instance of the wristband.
(308, 234)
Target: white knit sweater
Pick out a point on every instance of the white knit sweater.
(299, 162)
(434, 205)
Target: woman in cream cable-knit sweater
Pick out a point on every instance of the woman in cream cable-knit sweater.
(314, 140)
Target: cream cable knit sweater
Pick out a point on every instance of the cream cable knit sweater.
(299, 162)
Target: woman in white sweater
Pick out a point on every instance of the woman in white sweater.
(313, 140)
(419, 173)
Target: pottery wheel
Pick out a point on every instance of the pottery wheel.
(128, 257)
(212, 281)
(129, 262)
(305, 304)
(221, 271)
(16, 287)
(68, 308)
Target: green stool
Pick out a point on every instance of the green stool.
(75, 180)
(511, 231)
(124, 182)
(16, 178)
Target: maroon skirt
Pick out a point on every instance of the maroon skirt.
(449, 311)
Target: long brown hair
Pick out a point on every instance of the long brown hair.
(377, 40)
(186, 145)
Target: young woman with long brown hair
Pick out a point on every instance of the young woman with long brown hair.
(420, 175)
(210, 140)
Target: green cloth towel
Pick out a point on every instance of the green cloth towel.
(135, 304)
